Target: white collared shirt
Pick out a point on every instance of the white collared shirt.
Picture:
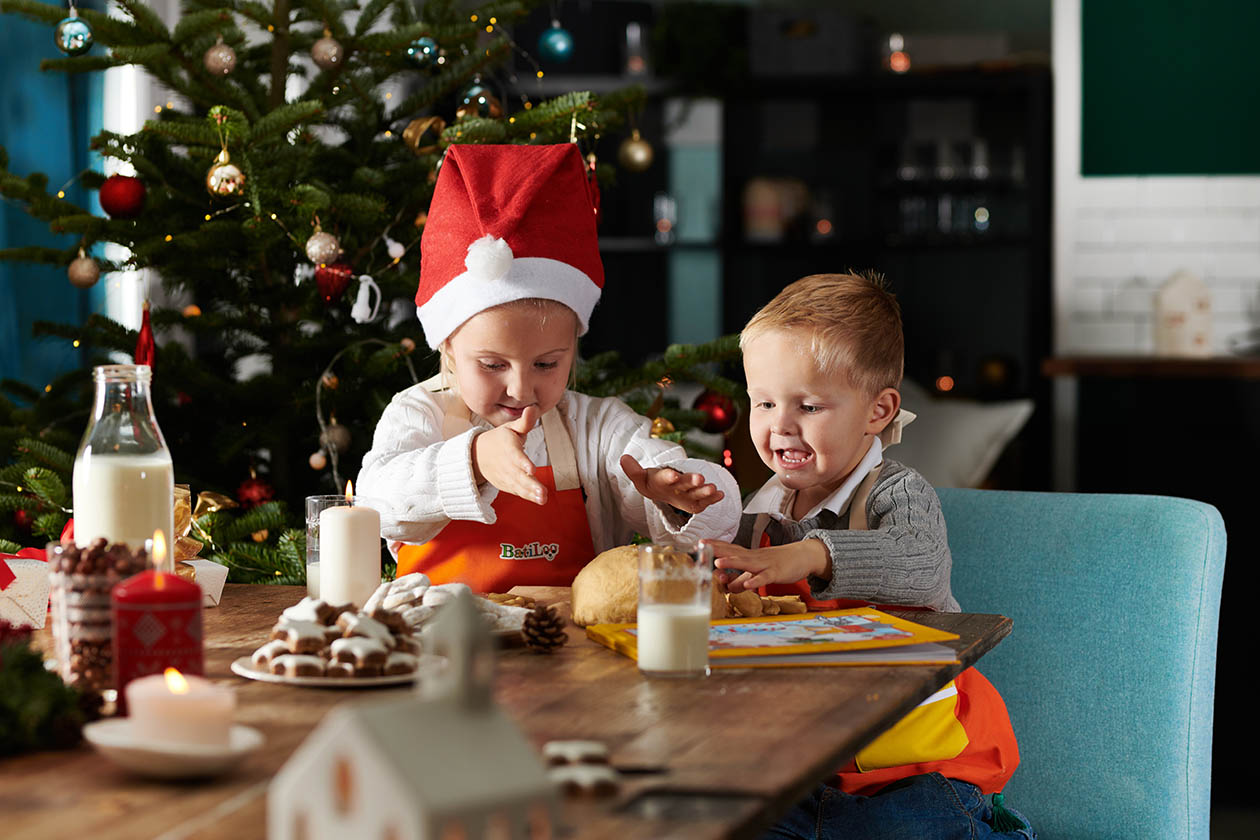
(776, 500)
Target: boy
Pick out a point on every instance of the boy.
(843, 526)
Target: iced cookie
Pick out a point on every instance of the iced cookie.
(360, 651)
(298, 665)
(263, 656)
(301, 636)
(400, 663)
(585, 779)
(575, 752)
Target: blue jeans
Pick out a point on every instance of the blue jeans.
(927, 807)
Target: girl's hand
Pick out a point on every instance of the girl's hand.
(685, 491)
(750, 568)
(498, 456)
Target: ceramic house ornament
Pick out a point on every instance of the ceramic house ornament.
(443, 763)
(1183, 317)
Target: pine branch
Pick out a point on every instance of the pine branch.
(44, 453)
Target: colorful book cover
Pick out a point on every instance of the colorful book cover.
(860, 636)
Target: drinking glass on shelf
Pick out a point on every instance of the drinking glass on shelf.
(675, 602)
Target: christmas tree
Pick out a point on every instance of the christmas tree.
(280, 197)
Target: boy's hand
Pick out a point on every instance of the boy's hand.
(685, 491)
(498, 456)
(750, 568)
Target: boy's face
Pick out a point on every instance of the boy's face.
(810, 428)
(507, 360)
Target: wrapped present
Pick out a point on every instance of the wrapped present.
(24, 587)
(207, 574)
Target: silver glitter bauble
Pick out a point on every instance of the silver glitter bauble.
(327, 52)
(83, 272)
(322, 248)
(220, 59)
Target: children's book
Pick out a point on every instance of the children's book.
(860, 636)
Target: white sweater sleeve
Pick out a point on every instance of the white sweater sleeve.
(612, 429)
(418, 481)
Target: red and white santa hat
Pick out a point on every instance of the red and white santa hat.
(507, 223)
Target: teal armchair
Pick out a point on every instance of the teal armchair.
(1110, 670)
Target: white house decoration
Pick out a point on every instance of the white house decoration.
(1183, 317)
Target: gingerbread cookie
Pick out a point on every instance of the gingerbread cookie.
(263, 656)
(360, 652)
(575, 752)
(301, 636)
(298, 665)
(310, 609)
(585, 779)
(401, 663)
(362, 624)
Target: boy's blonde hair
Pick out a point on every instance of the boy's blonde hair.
(854, 324)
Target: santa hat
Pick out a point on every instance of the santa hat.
(507, 223)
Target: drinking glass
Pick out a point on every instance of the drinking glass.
(675, 599)
(315, 505)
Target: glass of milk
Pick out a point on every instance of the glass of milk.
(315, 505)
(675, 599)
(124, 483)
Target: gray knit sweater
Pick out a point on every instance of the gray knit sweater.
(904, 557)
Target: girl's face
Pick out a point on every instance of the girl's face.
(511, 357)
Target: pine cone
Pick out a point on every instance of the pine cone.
(544, 629)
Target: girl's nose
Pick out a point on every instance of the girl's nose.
(518, 385)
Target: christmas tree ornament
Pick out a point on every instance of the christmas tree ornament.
(318, 460)
(556, 44)
(253, 491)
(73, 34)
(635, 153)
(332, 280)
(83, 271)
(421, 218)
(122, 196)
(395, 249)
(322, 248)
(408, 346)
(335, 437)
(224, 179)
(593, 180)
(364, 311)
(22, 519)
(661, 426)
(260, 536)
(479, 101)
(146, 348)
(327, 51)
(423, 52)
(192, 310)
(330, 381)
(543, 629)
(220, 59)
(720, 410)
(423, 134)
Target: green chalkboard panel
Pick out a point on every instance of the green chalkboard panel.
(1170, 87)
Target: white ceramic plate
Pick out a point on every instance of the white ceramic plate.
(428, 664)
(113, 739)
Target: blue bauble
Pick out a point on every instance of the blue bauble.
(423, 52)
(74, 36)
(556, 44)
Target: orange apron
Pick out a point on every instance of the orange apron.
(962, 731)
(528, 544)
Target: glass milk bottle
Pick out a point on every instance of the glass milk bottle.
(124, 483)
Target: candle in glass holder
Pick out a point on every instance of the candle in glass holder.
(174, 709)
(349, 552)
(157, 624)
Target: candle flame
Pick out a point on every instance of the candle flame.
(159, 550)
(349, 491)
(175, 681)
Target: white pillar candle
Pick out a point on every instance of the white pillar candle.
(176, 709)
(349, 554)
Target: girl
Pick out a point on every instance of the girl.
(493, 473)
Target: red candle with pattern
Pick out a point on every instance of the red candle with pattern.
(157, 624)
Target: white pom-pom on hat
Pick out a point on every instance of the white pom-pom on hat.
(489, 259)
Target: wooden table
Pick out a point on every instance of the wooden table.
(719, 757)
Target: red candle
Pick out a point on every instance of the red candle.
(157, 624)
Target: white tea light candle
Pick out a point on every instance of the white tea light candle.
(349, 552)
(176, 709)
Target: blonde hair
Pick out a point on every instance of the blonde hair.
(854, 324)
(543, 308)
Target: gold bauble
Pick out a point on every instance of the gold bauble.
(327, 52)
(661, 426)
(260, 536)
(318, 460)
(408, 346)
(225, 178)
(192, 310)
(220, 59)
(486, 105)
(635, 153)
(422, 134)
(421, 218)
(83, 271)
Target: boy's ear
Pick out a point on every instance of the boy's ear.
(883, 409)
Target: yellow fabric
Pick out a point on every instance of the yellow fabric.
(930, 732)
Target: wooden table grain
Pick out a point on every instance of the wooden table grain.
(718, 757)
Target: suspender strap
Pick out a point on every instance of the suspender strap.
(457, 419)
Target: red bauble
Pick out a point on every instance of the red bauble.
(22, 519)
(333, 280)
(721, 410)
(253, 492)
(122, 196)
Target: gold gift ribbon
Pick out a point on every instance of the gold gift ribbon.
(186, 548)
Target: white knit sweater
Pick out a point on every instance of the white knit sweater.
(419, 482)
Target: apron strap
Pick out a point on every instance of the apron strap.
(456, 419)
(857, 503)
(560, 452)
(892, 432)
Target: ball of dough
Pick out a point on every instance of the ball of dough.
(606, 591)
